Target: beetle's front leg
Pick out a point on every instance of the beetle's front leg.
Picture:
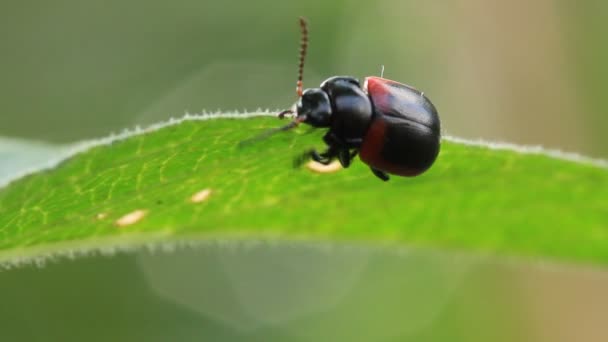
(326, 157)
(346, 157)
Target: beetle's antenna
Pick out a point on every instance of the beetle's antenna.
(382, 71)
(272, 131)
(303, 48)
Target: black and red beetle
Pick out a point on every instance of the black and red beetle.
(393, 127)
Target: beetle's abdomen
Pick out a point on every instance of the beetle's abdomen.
(398, 100)
(399, 147)
(404, 136)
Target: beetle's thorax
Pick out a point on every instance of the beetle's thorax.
(339, 104)
(352, 108)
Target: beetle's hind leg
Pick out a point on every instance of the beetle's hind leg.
(380, 174)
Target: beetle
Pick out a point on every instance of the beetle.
(393, 127)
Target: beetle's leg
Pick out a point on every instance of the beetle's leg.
(319, 158)
(326, 157)
(345, 157)
(380, 174)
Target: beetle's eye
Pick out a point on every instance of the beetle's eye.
(315, 104)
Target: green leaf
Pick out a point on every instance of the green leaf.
(478, 198)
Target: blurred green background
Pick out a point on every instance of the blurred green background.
(301, 292)
(530, 72)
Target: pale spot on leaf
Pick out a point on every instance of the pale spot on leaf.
(200, 196)
(131, 218)
(320, 168)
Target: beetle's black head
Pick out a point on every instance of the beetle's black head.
(314, 108)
